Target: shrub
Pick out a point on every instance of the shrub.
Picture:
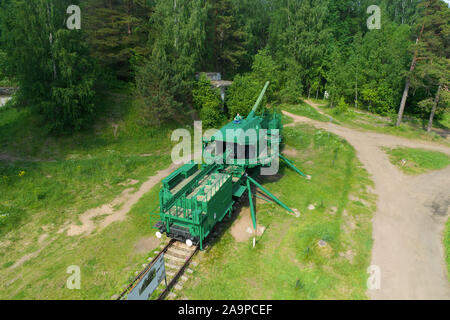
(245, 89)
(242, 95)
(207, 101)
(342, 107)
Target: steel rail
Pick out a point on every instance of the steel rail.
(143, 272)
(177, 275)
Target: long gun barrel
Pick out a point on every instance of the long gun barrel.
(261, 96)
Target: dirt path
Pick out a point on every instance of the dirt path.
(409, 222)
(124, 202)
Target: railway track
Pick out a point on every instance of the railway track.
(177, 256)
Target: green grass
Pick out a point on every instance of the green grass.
(47, 181)
(287, 263)
(417, 161)
(305, 110)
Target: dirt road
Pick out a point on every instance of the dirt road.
(409, 222)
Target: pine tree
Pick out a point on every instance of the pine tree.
(164, 80)
(433, 41)
(117, 31)
(226, 37)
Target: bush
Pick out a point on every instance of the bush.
(157, 92)
(292, 88)
(341, 108)
(207, 101)
(245, 89)
(242, 95)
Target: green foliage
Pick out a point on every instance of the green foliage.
(156, 92)
(433, 69)
(299, 38)
(117, 31)
(372, 68)
(292, 88)
(243, 93)
(342, 107)
(50, 63)
(207, 101)
(4, 80)
(226, 38)
(164, 80)
(254, 17)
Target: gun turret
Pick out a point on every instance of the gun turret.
(258, 102)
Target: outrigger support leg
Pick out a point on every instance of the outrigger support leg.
(290, 164)
(269, 194)
(252, 209)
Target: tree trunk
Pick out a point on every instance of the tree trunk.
(129, 17)
(433, 111)
(408, 81)
(49, 9)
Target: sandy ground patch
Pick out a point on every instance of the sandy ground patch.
(289, 152)
(30, 256)
(146, 244)
(42, 238)
(129, 182)
(407, 227)
(242, 228)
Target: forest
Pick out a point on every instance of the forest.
(306, 48)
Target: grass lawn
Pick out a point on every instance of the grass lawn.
(287, 262)
(47, 181)
(417, 161)
(304, 109)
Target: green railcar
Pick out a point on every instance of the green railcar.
(194, 198)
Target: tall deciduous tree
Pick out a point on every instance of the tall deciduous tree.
(432, 43)
(300, 38)
(227, 37)
(51, 63)
(164, 81)
(433, 69)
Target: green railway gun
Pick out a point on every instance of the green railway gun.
(194, 198)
